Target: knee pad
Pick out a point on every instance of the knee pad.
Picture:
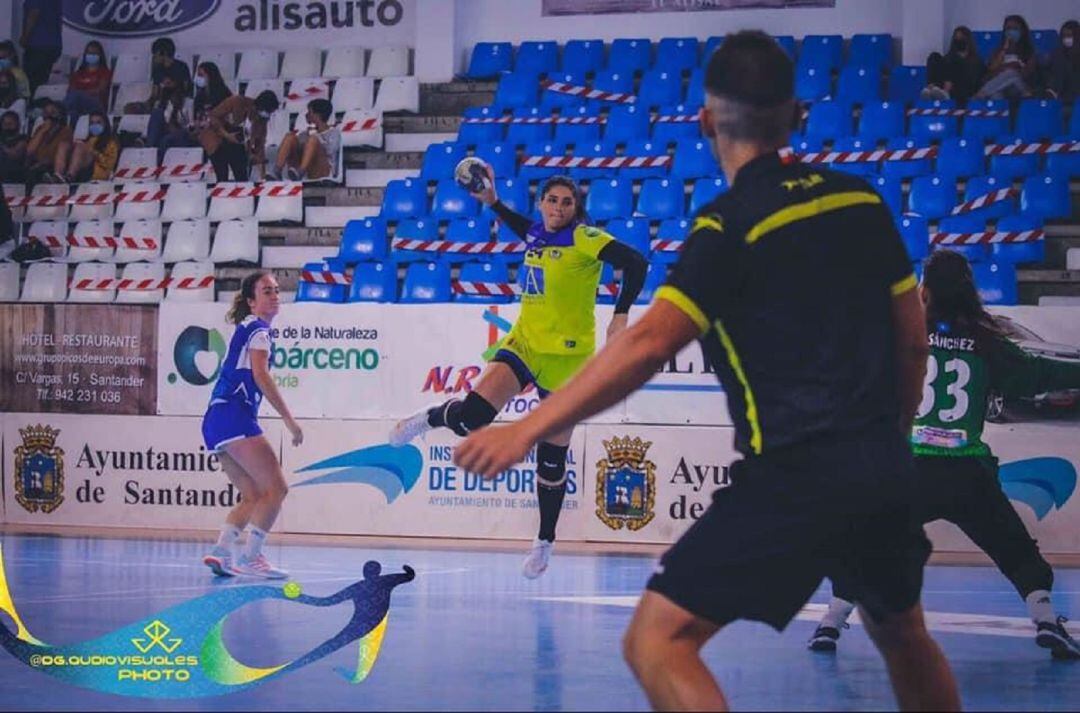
(464, 417)
(551, 465)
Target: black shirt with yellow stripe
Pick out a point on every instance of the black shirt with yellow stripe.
(790, 276)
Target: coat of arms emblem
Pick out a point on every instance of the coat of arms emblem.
(39, 470)
(626, 484)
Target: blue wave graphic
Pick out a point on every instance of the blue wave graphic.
(393, 471)
(1043, 484)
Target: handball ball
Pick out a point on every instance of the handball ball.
(471, 174)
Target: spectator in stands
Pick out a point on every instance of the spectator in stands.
(1013, 66)
(1063, 80)
(164, 65)
(170, 120)
(9, 62)
(41, 39)
(45, 142)
(210, 89)
(89, 86)
(91, 160)
(9, 95)
(226, 144)
(959, 73)
(12, 149)
(312, 155)
(7, 225)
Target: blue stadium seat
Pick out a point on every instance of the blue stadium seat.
(787, 43)
(500, 156)
(873, 51)
(579, 133)
(671, 229)
(318, 292)
(677, 54)
(1045, 41)
(595, 149)
(452, 201)
(965, 224)
(520, 134)
(667, 132)
(426, 282)
(473, 134)
(890, 191)
(986, 43)
(695, 88)
(415, 229)
(806, 144)
(706, 190)
(906, 83)
(469, 230)
(632, 231)
(607, 277)
(626, 122)
(550, 101)
(440, 160)
(537, 57)
(1074, 121)
(1065, 165)
(980, 186)
(829, 120)
(374, 282)
(644, 147)
(694, 159)
(661, 198)
(654, 279)
(484, 271)
(1046, 196)
(822, 51)
(862, 168)
(1039, 119)
(1011, 168)
(905, 169)
(362, 240)
(660, 87)
(489, 60)
(812, 84)
(613, 80)
(933, 128)
(711, 45)
(517, 89)
(982, 128)
(882, 121)
(583, 57)
(996, 283)
(859, 85)
(609, 199)
(513, 193)
(961, 158)
(630, 55)
(541, 148)
(932, 197)
(404, 198)
(915, 230)
(1015, 253)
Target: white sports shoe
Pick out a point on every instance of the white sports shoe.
(409, 429)
(258, 566)
(537, 561)
(220, 562)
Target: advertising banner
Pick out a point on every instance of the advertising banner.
(345, 479)
(114, 471)
(78, 358)
(206, 24)
(601, 7)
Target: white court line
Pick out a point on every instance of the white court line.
(944, 622)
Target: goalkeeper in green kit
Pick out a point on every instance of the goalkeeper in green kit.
(957, 473)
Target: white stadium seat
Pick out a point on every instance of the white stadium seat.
(399, 94)
(344, 62)
(140, 231)
(12, 191)
(183, 160)
(131, 67)
(196, 271)
(92, 271)
(236, 240)
(257, 86)
(61, 70)
(145, 208)
(9, 282)
(56, 92)
(361, 128)
(82, 128)
(258, 64)
(48, 233)
(92, 229)
(185, 201)
(276, 129)
(134, 124)
(45, 282)
(225, 208)
(224, 59)
(276, 208)
(188, 240)
(354, 93)
(54, 191)
(302, 91)
(142, 271)
(388, 62)
(88, 210)
(305, 62)
(129, 93)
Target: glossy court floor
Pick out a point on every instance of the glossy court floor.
(470, 633)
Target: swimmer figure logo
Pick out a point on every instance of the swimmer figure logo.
(39, 470)
(626, 484)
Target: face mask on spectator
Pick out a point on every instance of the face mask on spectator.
(264, 114)
(1067, 41)
(1013, 34)
(200, 81)
(92, 58)
(96, 129)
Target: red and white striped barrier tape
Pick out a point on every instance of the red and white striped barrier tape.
(663, 119)
(609, 290)
(311, 92)
(92, 199)
(103, 242)
(353, 125)
(507, 289)
(667, 246)
(268, 190)
(861, 156)
(1033, 149)
(586, 93)
(596, 161)
(972, 113)
(38, 202)
(196, 169)
(982, 201)
(676, 119)
(186, 283)
(988, 238)
(140, 196)
(445, 246)
(326, 277)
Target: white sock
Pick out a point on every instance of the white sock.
(839, 611)
(228, 537)
(1039, 606)
(255, 540)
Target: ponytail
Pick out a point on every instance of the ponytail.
(241, 308)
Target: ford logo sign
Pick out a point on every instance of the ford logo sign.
(136, 18)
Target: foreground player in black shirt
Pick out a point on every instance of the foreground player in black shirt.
(802, 295)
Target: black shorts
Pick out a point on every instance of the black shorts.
(835, 507)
